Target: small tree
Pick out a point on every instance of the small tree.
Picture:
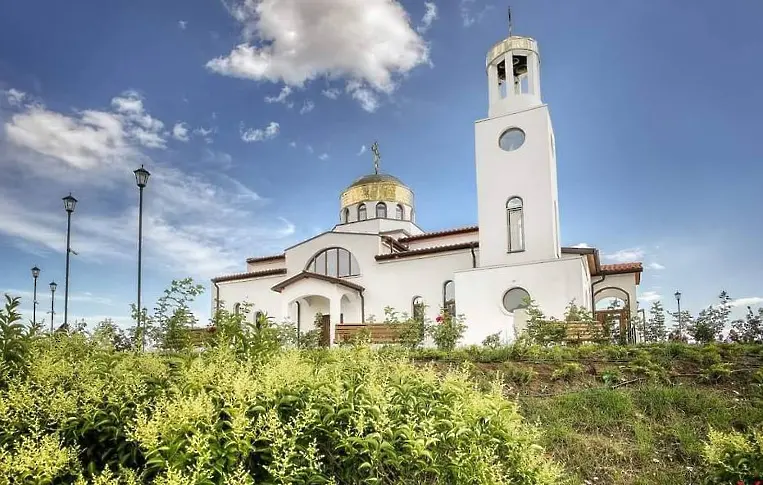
(748, 329)
(654, 329)
(711, 321)
(411, 328)
(541, 329)
(107, 333)
(169, 326)
(680, 326)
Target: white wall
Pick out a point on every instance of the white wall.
(626, 282)
(479, 293)
(377, 226)
(266, 265)
(444, 240)
(255, 291)
(527, 172)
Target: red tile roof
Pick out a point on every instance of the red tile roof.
(447, 232)
(265, 259)
(424, 251)
(249, 275)
(621, 268)
(309, 274)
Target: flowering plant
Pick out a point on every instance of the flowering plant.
(448, 330)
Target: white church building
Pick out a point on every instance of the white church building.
(378, 256)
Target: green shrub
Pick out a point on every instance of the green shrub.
(516, 374)
(347, 415)
(734, 457)
(567, 371)
(447, 330)
(492, 341)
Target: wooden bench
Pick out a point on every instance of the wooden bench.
(581, 332)
(380, 333)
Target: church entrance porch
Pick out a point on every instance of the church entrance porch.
(318, 302)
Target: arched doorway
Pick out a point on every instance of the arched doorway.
(612, 310)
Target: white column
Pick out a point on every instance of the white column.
(533, 70)
(494, 92)
(335, 306)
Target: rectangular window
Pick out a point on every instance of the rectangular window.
(320, 263)
(344, 263)
(516, 233)
(332, 261)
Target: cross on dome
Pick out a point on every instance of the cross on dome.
(377, 156)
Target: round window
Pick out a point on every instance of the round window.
(511, 139)
(515, 298)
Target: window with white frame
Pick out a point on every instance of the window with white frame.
(515, 224)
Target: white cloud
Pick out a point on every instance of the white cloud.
(370, 43)
(468, 16)
(180, 131)
(649, 296)
(293, 144)
(138, 125)
(84, 140)
(182, 24)
(625, 255)
(257, 134)
(281, 98)
(367, 99)
(15, 97)
(582, 245)
(331, 93)
(429, 16)
(307, 107)
(205, 133)
(656, 266)
(309, 148)
(362, 150)
(200, 224)
(745, 302)
(323, 156)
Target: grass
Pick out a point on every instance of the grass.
(626, 415)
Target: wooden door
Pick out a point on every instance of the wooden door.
(325, 330)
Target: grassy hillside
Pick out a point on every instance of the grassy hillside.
(626, 415)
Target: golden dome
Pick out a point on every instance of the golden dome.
(377, 186)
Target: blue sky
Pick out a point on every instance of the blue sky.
(656, 109)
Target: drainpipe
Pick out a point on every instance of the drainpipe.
(217, 296)
(362, 307)
(474, 256)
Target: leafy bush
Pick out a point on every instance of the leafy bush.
(567, 371)
(492, 341)
(447, 330)
(734, 457)
(88, 414)
(516, 374)
(412, 329)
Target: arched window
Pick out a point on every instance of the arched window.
(418, 309)
(346, 216)
(515, 298)
(362, 212)
(381, 210)
(515, 224)
(413, 215)
(399, 212)
(336, 262)
(237, 308)
(449, 297)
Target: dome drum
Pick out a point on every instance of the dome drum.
(376, 187)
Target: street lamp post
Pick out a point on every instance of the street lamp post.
(141, 179)
(69, 204)
(678, 301)
(53, 287)
(35, 275)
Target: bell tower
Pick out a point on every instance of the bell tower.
(517, 196)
